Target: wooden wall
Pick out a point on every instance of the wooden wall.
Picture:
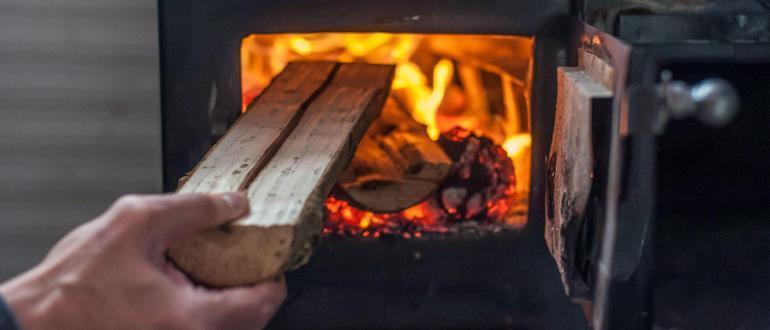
(79, 116)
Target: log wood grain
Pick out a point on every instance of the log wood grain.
(286, 189)
(256, 136)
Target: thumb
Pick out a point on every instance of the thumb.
(170, 218)
(186, 214)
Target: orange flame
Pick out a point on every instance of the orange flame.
(426, 86)
(263, 58)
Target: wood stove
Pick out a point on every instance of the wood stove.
(599, 87)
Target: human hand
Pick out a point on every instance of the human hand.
(112, 272)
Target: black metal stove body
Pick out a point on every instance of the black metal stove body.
(679, 169)
(503, 280)
(667, 168)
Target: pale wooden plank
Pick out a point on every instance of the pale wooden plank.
(254, 138)
(287, 195)
(308, 163)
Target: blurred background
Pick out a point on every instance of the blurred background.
(79, 117)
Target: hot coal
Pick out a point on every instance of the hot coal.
(478, 194)
(482, 175)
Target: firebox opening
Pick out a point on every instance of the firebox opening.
(470, 94)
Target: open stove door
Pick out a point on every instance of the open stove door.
(598, 189)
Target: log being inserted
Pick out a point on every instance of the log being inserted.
(286, 152)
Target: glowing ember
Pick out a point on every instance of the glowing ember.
(480, 189)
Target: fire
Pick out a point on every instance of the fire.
(345, 219)
(516, 144)
(423, 99)
(300, 45)
(441, 80)
(494, 203)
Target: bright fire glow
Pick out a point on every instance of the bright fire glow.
(433, 81)
(517, 144)
(265, 59)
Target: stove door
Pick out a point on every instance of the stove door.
(598, 198)
(576, 160)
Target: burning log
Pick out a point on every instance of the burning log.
(396, 165)
(479, 191)
(482, 178)
(286, 152)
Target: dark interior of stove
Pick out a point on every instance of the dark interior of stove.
(732, 174)
(711, 254)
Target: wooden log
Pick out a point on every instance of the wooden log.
(255, 137)
(482, 178)
(396, 165)
(286, 187)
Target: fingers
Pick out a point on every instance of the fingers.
(170, 218)
(250, 307)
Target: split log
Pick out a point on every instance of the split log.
(286, 152)
(396, 165)
(256, 136)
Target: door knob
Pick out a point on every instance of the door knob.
(713, 101)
